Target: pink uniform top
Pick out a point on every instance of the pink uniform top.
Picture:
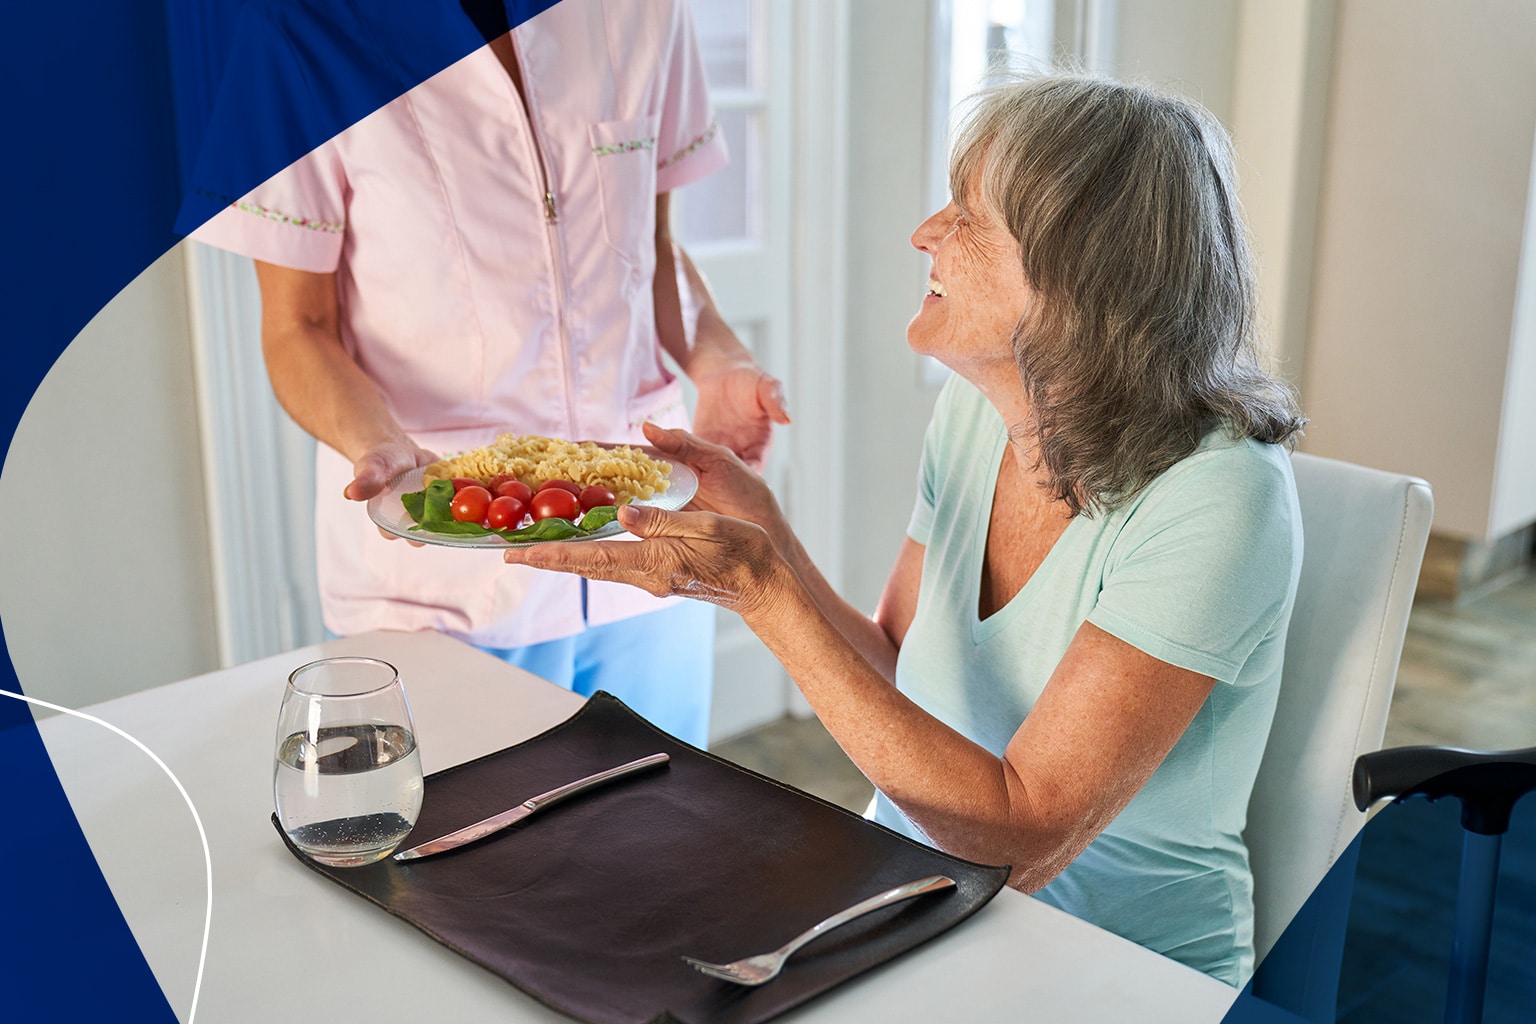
(477, 303)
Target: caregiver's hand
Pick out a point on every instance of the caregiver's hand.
(727, 485)
(701, 555)
(382, 462)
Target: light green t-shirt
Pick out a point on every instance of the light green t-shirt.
(1199, 570)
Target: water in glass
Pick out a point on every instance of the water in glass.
(338, 778)
(347, 780)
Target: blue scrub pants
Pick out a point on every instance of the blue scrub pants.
(662, 664)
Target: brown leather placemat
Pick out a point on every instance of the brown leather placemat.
(590, 905)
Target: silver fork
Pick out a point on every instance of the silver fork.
(755, 970)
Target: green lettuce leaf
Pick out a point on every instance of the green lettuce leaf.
(432, 509)
(415, 504)
(599, 517)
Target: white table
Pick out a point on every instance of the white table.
(280, 931)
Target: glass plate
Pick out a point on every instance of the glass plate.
(386, 511)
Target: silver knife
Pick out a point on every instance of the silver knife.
(497, 822)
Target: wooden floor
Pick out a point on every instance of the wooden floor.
(1467, 678)
(800, 752)
(1468, 675)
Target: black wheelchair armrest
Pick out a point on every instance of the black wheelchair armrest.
(1486, 782)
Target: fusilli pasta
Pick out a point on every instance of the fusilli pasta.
(628, 472)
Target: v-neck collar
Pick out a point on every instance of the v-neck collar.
(983, 630)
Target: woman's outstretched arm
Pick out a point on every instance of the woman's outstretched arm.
(1107, 718)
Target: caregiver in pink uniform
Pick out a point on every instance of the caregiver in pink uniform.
(490, 252)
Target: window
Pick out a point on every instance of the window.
(727, 208)
(973, 39)
(737, 225)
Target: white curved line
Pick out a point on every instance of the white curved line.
(207, 857)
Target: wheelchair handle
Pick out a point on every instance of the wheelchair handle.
(1486, 782)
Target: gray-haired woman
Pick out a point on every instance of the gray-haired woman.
(1074, 664)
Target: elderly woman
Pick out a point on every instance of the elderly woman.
(1074, 664)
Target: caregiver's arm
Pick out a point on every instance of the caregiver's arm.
(320, 385)
(737, 402)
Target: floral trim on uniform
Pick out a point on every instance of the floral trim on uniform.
(624, 147)
(692, 147)
(656, 415)
(285, 218)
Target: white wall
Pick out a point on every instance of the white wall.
(888, 404)
(1262, 68)
(1426, 176)
(1385, 150)
(109, 591)
(1514, 497)
(1282, 74)
(1187, 45)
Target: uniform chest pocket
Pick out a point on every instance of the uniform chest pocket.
(625, 156)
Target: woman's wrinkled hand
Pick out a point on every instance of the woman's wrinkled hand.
(701, 555)
(727, 485)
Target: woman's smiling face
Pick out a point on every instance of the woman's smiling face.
(977, 291)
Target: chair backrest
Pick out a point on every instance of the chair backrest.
(1364, 535)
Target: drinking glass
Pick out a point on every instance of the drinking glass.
(347, 778)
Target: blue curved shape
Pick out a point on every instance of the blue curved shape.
(131, 124)
(66, 953)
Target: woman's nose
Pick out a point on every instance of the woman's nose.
(931, 231)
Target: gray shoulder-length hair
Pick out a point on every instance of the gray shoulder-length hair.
(1139, 337)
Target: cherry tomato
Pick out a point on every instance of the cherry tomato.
(461, 482)
(470, 504)
(555, 502)
(595, 495)
(564, 485)
(512, 487)
(505, 513)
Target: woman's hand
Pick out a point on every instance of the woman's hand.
(727, 486)
(701, 555)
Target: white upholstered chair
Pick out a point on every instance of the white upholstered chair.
(1365, 532)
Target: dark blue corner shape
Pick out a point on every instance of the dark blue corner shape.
(132, 123)
(1298, 982)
